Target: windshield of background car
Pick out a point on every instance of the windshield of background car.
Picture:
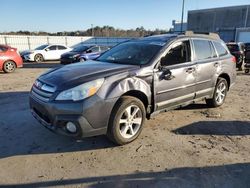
(134, 53)
(80, 48)
(233, 48)
(41, 47)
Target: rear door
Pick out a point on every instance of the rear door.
(180, 86)
(207, 64)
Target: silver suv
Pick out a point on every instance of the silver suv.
(135, 80)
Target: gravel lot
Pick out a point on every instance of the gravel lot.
(190, 147)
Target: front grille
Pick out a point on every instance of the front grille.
(42, 91)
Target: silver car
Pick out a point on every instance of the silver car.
(135, 80)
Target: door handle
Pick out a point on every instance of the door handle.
(190, 70)
(216, 64)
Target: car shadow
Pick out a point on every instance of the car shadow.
(224, 176)
(229, 128)
(46, 64)
(21, 134)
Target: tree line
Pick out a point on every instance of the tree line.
(105, 31)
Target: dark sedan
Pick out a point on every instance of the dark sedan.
(82, 53)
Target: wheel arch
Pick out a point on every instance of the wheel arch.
(227, 78)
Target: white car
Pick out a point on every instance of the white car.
(45, 52)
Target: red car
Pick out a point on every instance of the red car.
(9, 59)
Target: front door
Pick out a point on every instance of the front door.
(174, 80)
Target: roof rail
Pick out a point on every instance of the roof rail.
(212, 35)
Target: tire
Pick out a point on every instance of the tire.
(220, 93)
(246, 71)
(38, 58)
(9, 66)
(121, 129)
(82, 59)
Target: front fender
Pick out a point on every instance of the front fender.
(123, 84)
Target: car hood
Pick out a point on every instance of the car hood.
(68, 54)
(78, 73)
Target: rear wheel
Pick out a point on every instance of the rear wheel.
(220, 93)
(38, 58)
(127, 119)
(9, 66)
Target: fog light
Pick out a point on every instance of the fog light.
(71, 127)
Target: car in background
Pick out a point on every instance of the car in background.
(82, 53)
(237, 50)
(10, 59)
(247, 57)
(45, 52)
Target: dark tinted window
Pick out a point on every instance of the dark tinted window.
(180, 53)
(94, 49)
(3, 49)
(233, 47)
(52, 48)
(80, 48)
(134, 53)
(61, 48)
(221, 50)
(104, 48)
(203, 49)
(41, 47)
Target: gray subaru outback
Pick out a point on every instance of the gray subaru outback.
(135, 80)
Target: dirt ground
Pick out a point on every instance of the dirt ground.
(190, 147)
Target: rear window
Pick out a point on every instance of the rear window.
(233, 47)
(203, 49)
(3, 49)
(221, 49)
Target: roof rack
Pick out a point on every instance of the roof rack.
(212, 35)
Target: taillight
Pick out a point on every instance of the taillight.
(233, 59)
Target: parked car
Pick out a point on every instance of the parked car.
(82, 53)
(237, 49)
(247, 57)
(10, 59)
(135, 80)
(45, 52)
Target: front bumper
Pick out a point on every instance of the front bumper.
(65, 61)
(87, 115)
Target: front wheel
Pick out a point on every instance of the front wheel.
(38, 58)
(220, 93)
(126, 120)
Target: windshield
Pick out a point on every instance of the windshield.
(80, 48)
(41, 47)
(134, 53)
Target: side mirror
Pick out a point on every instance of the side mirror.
(88, 51)
(47, 49)
(167, 74)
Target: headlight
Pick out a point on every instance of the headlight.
(75, 56)
(82, 91)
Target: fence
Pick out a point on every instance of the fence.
(31, 42)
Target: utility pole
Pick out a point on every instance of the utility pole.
(182, 15)
(92, 30)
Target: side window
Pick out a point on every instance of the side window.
(94, 49)
(2, 49)
(212, 50)
(52, 48)
(221, 50)
(179, 53)
(104, 48)
(203, 50)
(61, 48)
